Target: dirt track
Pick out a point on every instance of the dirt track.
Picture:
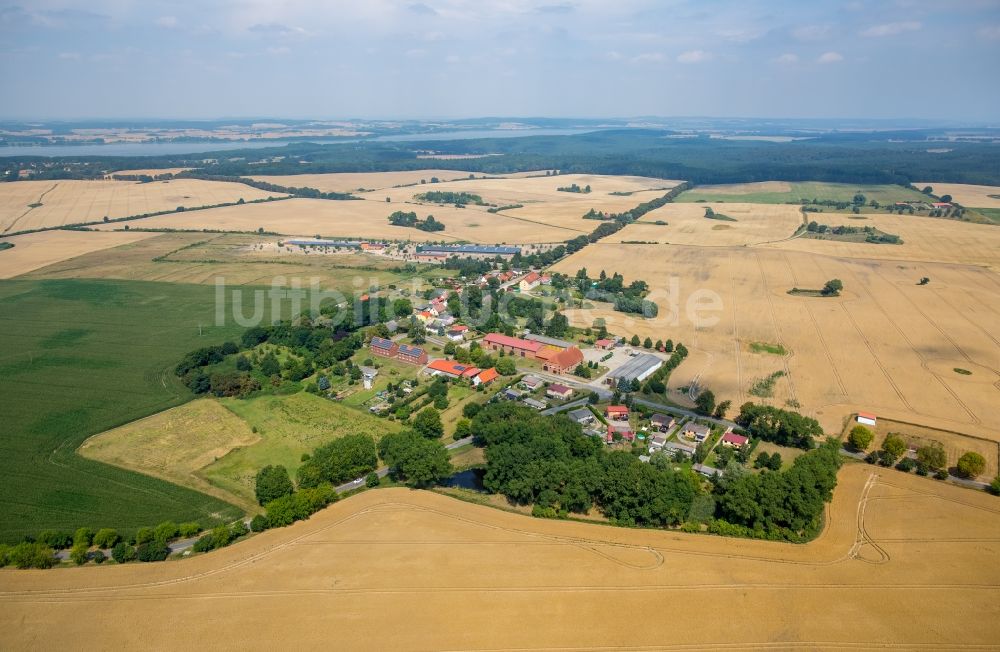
(904, 562)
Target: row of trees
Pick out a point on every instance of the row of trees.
(410, 219)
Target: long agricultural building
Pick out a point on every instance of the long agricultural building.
(467, 251)
(638, 368)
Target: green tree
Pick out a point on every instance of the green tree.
(343, 459)
(832, 287)
(506, 366)
(372, 480)
(971, 464)
(83, 537)
(721, 409)
(705, 403)
(634, 341)
(932, 457)
(463, 429)
(647, 343)
(894, 445)
(123, 552)
(668, 346)
(557, 326)
(78, 554)
(269, 365)
(428, 423)
(106, 538)
(272, 482)
(860, 438)
(165, 531)
(414, 459)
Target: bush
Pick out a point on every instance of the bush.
(165, 531)
(258, 523)
(56, 540)
(372, 480)
(994, 487)
(932, 456)
(123, 552)
(83, 537)
(971, 464)
(78, 554)
(188, 530)
(106, 538)
(860, 438)
(31, 555)
(99, 557)
(152, 551)
(906, 465)
(272, 483)
(941, 474)
(238, 529)
(144, 535)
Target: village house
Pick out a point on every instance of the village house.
(514, 346)
(657, 442)
(531, 383)
(559, 392)
(457, 333)
(605, 344)
(412, 354)
(662, 422)
(623, 430)
(732, 440)
(451, 369)
(485, 377)
(616, 412)
(696, 431)
(564, 362)
(383, 348)
(530, 281)
(581, 416)
(532, 403)
(673, 447)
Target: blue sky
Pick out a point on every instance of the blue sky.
(464, 58)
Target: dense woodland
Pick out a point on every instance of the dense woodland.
(868, 158)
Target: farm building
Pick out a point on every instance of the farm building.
(467, 251)
(866, 418)
(732, 440)
(616, 412)
(451, 369)
(531, 383)
(339, 244)
(605, 344)
(532, 403)
(559, 392)
(582, 415)
(638, 368)
(696, 431)
(662, 422)
(457, 333)
(511, 345)
(384, 348)
(565, 361)
(485, 377)
(412, 354)
(551, 341)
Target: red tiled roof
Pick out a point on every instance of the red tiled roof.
(488, 375)
(459, 328)
(452, 368)
(603, 342)
(867, 415)
(733, 438)
(567, 358)
(559, 389)
(514, 342)
(616, 409)
(531, 277)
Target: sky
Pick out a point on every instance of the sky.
(932, 59)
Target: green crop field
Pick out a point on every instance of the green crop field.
(799, 190)
(79, 357)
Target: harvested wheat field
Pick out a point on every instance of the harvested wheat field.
(687, 224)
(238, 259)
(150, 172)
(354, 181)
(966, 194)
(26, 205)
(33, 251)
(924, 239)
(885, 345)
(357, 219)
(569, 212)
(528, 190)
(175, 445)
(903, 562)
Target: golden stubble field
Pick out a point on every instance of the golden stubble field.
(355, 181)
(886, 345)
(359, 219)
(73, 202)
(924, 238)
(686, 224)
(902, 563)
(33, 251)
(966, 194)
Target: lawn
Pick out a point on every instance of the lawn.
(80, 357)
(795, 191)
(288, 426)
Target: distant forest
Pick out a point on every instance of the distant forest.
(864, 158)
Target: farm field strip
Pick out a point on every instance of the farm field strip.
(893, 543)
(968, 195)
(33, 251)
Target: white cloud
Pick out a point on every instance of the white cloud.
(812, 32)
(892, 29)
(830, 57)
(69, 56)
(741, 35)
(416, 53)
(453, 58)
(991, 32)
(168, 22)
(787, 57)
(694, 56)
(614, 56)
(647, 57)
(279, 50)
